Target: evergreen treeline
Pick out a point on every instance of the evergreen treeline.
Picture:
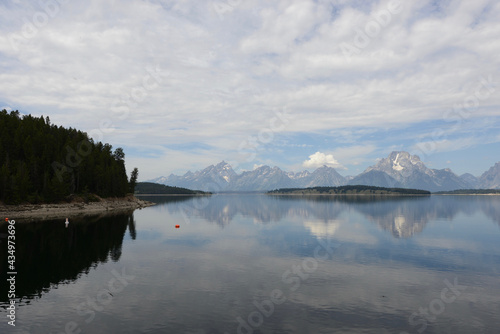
(41, 162)
(469, 192)
(349, 190)
(161, 189)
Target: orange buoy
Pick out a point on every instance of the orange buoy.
(177, 226)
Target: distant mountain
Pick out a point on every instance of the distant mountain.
(212, 178)
(349, 178)
(491, 178)
(323, 176)
(399, 170)
(261, 179)
(471, 180)
(222, 177)
(375, 178)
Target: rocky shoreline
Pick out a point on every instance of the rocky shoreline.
(75, 208)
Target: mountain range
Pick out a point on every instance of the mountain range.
(400, 169)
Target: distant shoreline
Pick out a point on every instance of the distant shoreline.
(491, 194)
(187, 195)
(67, 210)
(325, 194)
(379, 195)
(355, 190)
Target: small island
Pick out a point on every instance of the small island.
(351, 190)
(150, 188)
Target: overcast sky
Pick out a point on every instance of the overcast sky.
(182, 84)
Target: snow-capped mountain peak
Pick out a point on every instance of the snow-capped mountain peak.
(402, 169)
(263, 178)
(395, 164)
(399, 169)
(399, 164)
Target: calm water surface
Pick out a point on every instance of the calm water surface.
(261, 264)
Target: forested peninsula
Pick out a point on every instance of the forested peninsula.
(42, 163)
(150, 188)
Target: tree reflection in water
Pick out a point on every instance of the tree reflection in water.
(56, 255)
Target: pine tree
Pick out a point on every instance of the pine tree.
(133, 179)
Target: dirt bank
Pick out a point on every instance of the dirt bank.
(77, 207)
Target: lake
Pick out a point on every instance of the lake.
(262, 264)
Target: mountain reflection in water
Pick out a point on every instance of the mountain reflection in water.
(393, 257)
(402, 216)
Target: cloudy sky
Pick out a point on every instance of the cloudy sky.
(182, 84)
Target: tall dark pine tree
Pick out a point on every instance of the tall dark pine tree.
(133, 180)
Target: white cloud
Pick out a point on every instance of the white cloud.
(319, 159)
(323, 229)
